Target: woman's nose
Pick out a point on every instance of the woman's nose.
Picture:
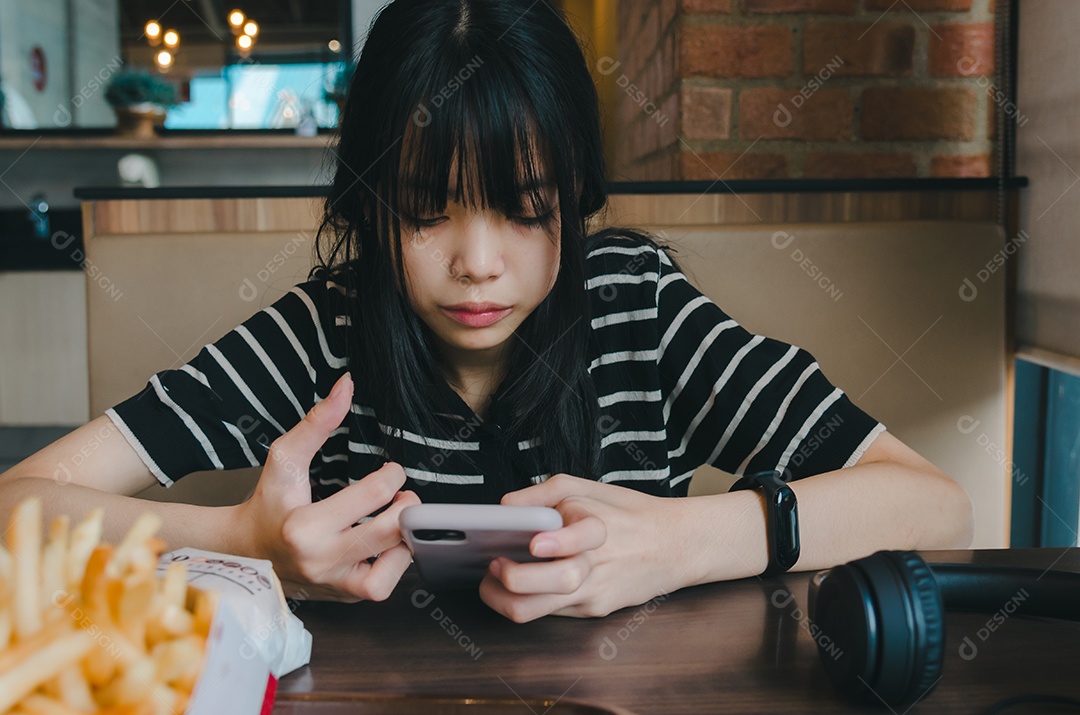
(478, 249)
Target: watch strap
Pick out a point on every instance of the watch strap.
(781, 518)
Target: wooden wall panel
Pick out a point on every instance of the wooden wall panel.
(142, 217)
(815, 207)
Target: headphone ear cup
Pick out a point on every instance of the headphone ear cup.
(883, 623)
(844, 612)
(929, 654)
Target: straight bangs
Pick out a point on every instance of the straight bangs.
(489, 149)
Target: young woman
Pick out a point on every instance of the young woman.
(465, 340)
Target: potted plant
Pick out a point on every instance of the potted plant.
(140, 100)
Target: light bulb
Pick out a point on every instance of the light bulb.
(236, 18)
(163, 58)
(334, 45)
(171, 38)
(244, 42)
(251, 28)
(152, 30)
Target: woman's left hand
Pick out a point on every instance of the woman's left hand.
(618, 547)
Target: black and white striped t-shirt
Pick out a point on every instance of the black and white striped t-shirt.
(679, 383)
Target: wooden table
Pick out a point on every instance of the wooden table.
(738, 647)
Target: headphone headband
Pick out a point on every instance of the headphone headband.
(986, 589)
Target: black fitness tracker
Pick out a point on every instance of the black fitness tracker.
(781, 517)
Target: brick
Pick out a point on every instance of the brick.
(822, 165)
(822, 6)
(714, 50)
(961, 50)
(774, 113)
(966, 166)
(917, 5)
(732, 165)
(916, 113)
(884, 49)
(706, 112)
(691, 7)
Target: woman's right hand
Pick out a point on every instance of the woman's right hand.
(316, 550)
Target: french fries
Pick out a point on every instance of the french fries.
(86, 627)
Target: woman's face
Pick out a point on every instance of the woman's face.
(474, 275)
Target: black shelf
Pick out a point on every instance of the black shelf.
(766, 186)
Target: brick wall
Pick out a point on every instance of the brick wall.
(764, 89)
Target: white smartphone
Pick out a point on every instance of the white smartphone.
(452, 544)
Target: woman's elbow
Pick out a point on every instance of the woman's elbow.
(956, 517)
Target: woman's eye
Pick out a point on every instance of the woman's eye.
(425, 222)
(525, 221)
(531, 221)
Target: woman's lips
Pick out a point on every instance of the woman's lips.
(477, 318)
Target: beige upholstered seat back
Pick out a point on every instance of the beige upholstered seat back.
(188, 272)
(885, 309)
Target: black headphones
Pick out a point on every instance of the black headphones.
(883, 616)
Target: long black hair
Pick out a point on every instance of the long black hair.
(503, 86)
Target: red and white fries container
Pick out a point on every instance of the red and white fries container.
(254, 639)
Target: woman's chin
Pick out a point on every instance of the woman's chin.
(476, 339)
(477, 343)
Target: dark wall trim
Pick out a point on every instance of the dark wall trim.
(620, 187)
(785, 186)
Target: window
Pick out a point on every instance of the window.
(1046, 457)
(255, 95)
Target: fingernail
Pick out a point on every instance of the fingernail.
(544, 547)
(496, 568)
(342, 384)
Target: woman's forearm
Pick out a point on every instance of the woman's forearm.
(203, 527)
(843, 515)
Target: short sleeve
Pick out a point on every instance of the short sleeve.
(222, 409)
(742, 402)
